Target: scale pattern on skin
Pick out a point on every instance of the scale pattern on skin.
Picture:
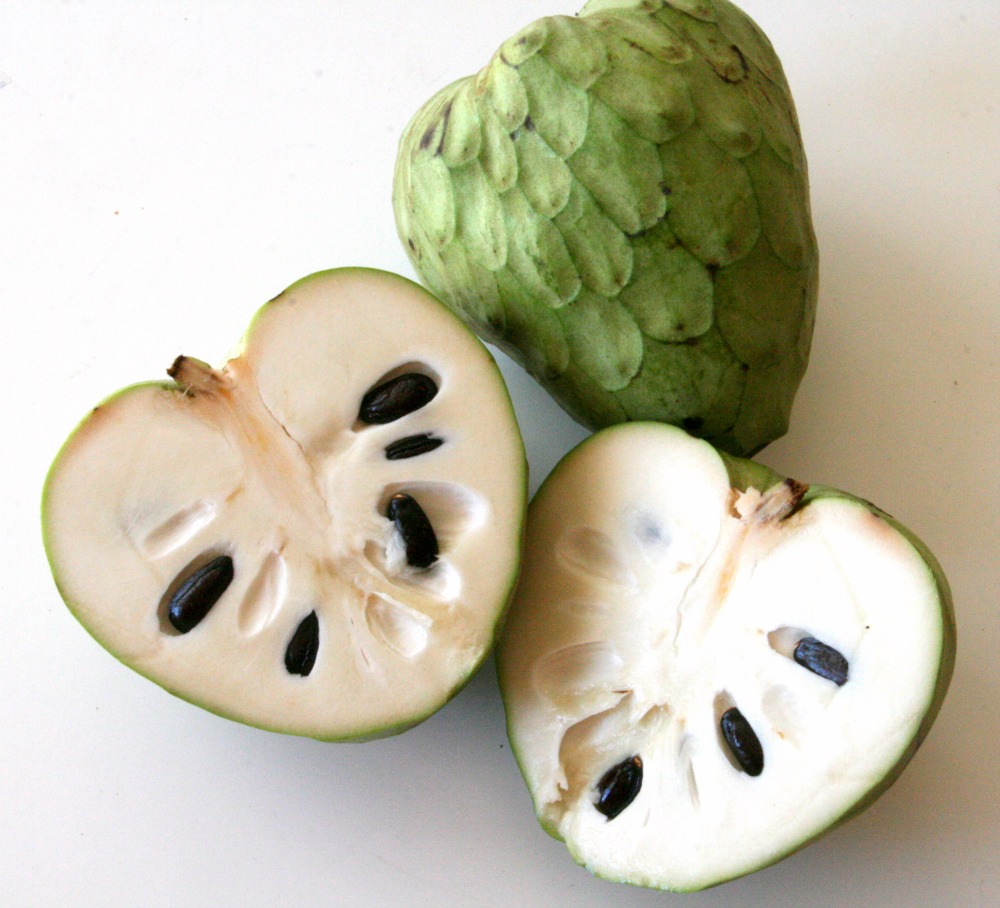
(620, 201)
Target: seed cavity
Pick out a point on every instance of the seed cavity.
(265, 595)
(821, 659)
(742, 741)
(586, 674)
(783, 708)
(619, 786)
(396, 398)
(178, 529)
(198, 592)
(688, 779)
(300, 655)
(415, 529)
(596, 555)
(402, 629)
(412, 446)
(586, 613)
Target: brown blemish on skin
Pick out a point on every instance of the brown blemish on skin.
(428, 137)
(728, 73)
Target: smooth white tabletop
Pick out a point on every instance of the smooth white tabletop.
(167, 167)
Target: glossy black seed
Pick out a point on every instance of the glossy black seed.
(300, 656)
(412, 446)
(619, 787)
(821, 659)
(418, 534)
(397, 398)
(742, 741)
(199, 592)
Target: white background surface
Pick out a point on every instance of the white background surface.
(167, 167)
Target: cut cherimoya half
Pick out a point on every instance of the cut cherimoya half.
(707, 666)
(318, 538)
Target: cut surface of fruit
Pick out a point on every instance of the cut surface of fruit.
(318, 538)
(706, 666)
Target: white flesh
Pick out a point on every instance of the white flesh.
(653, 597)
(264, 460)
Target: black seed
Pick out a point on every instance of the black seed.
(412, 446)
(397, 398)
(418, 534)
(300, 656)
(199, 592)
(821, 659)
(742, 741)
(619, 787)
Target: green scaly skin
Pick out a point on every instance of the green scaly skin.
(620, 202)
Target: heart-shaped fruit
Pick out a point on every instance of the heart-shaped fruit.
(318, 538)
(619, 200)
(707, 666)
